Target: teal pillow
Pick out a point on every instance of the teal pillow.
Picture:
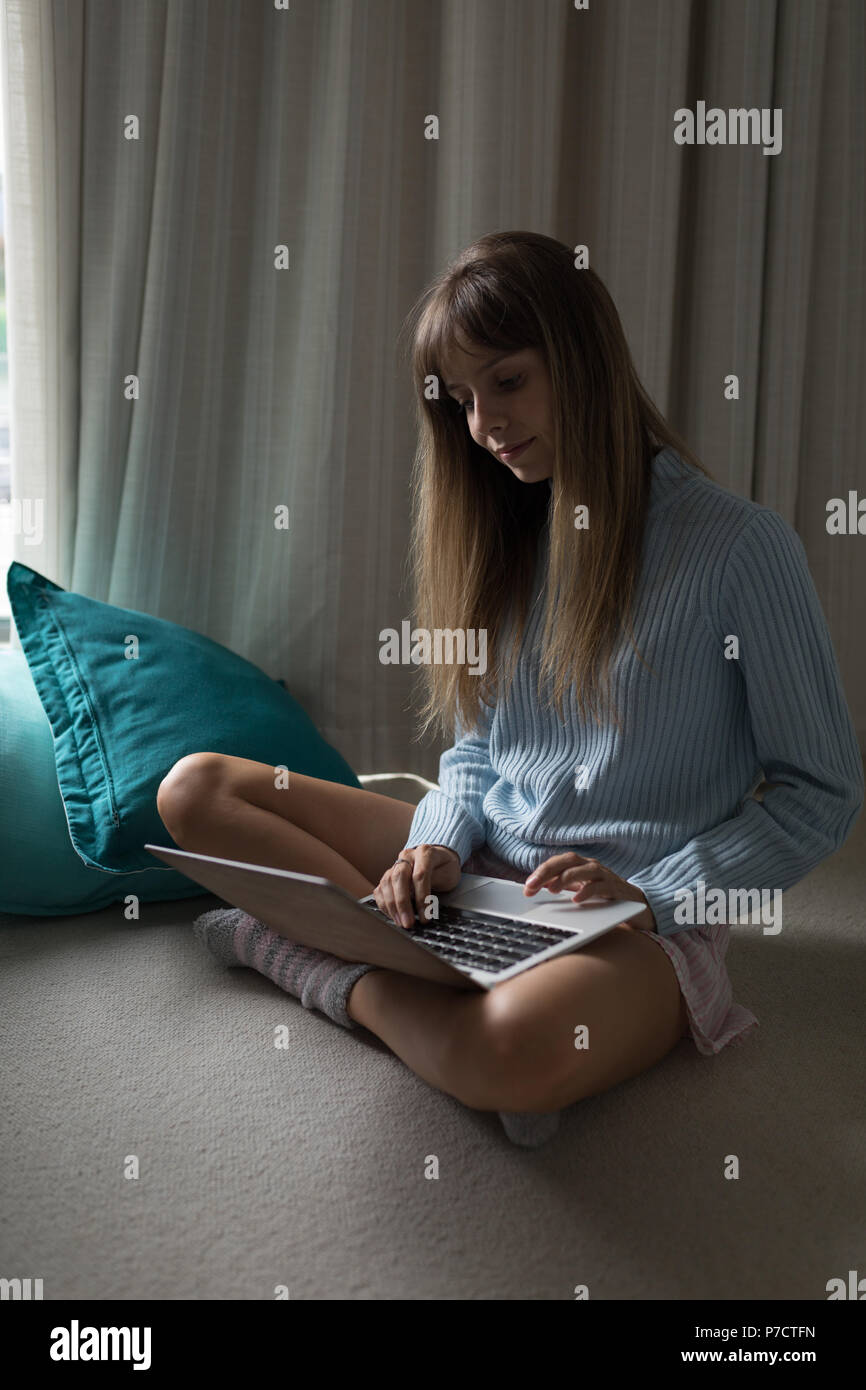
(119, 722)
(40, 873)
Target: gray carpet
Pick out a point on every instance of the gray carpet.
(306, 1166)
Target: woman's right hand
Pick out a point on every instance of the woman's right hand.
(418, 872)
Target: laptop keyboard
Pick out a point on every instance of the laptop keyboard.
(480, 942)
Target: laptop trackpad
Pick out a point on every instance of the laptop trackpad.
(502, 895)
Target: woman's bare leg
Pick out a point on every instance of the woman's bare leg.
(514, 1048)
(212, 803)
(509, 1049)
(234, 808)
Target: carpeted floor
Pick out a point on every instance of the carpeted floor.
(307, 1166)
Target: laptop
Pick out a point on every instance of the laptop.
(486, 931)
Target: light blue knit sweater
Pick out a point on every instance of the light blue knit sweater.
(668, 801)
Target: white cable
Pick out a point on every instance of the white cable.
(366, 777)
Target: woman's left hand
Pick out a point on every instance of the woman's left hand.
(586, 879)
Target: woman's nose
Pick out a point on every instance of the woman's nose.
(485, 421)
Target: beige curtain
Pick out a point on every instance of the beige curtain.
(261, 388)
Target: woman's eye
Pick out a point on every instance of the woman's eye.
(509, 384)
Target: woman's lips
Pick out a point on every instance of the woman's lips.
(507, 455)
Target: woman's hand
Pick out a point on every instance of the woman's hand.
(587, 879)
(418, 872)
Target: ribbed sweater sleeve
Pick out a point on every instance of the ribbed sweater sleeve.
(804, 737)
(453, 815)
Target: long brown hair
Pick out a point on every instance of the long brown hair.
(475, 526)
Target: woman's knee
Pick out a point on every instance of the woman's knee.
(500, 1059)
(572, 1027)
(189, 786)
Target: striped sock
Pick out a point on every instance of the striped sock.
(320, 981)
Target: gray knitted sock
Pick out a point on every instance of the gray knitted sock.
(319, 980)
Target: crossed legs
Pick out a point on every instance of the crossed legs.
(513, 1048)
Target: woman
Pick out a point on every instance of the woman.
(657, 644)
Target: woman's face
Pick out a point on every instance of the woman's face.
(507, 400)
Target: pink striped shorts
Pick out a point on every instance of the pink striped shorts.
(698, 957)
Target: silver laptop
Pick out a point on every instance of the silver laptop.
(486, 930)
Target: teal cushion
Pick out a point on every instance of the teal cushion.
(125, 695)
(40, 873)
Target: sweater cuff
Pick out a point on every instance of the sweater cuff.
(661, 902)
(439, 820)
